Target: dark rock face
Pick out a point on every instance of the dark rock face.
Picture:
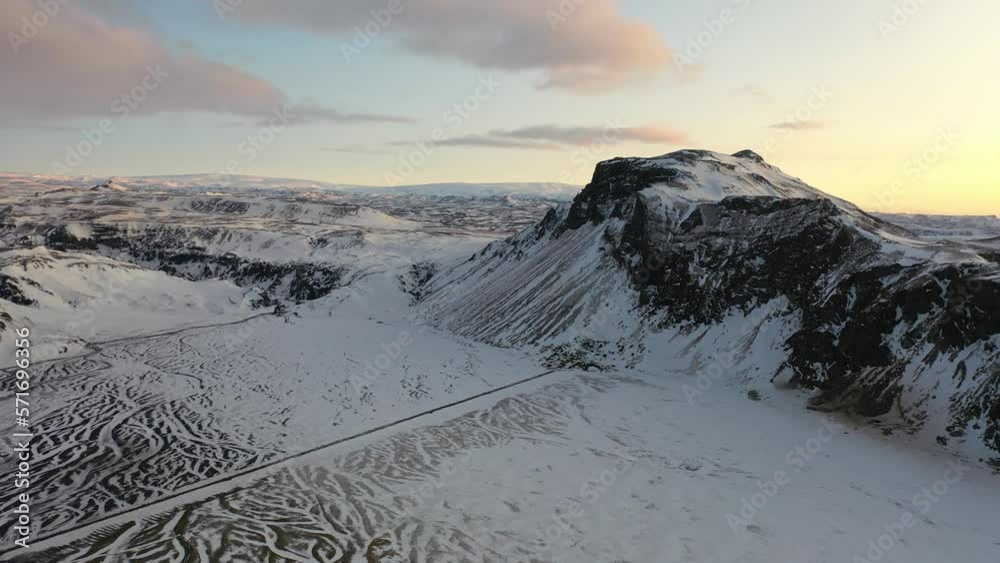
(9, 291)
(750, 155)
(874, 333)
(417, 277)
(743, 252)
(614, 183)
(220, 206)
(169, 251)
(754, 250)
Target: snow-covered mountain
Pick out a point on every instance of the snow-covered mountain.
(279, 370)
(724, 266)
(689, 261)
(945, 227)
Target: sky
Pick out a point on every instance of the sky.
(891, 104)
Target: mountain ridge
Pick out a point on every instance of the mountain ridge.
(872, 319)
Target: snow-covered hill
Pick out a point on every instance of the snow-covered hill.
(945, 227)
(202, 183)
(723, 265)
(77, 298)
(237, 251)
(246, 373)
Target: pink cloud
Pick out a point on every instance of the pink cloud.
(583, 46)
(78, 64)
(558, 137)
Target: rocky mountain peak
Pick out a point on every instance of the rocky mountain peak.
(109, 185)
(749, 154)
(682, 178)
(696, 242)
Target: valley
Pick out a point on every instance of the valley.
(326, 373)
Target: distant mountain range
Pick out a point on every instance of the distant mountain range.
(221, 182)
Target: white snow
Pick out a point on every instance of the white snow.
(715, 176)
(82, 298)
(221, 183)
(648, 460)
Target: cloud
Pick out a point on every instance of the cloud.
(78, 64)
(753, 91)
(801, 125)
(556, 137)
(355, 149)
(312, 113)
(586, 47)
(488, 141)
(117, 10)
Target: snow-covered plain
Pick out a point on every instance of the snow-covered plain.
(583, 467)
(188, 424)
